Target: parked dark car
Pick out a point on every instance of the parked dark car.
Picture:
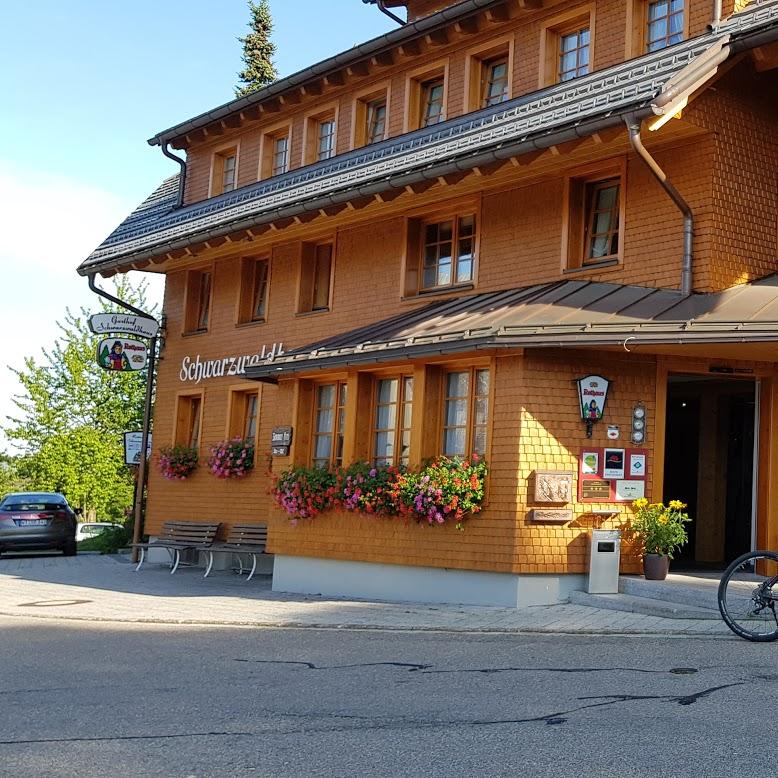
(37, 520)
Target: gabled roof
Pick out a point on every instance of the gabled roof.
(551, 116)
(563, 313)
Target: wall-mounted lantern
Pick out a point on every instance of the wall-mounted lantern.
(592, 395)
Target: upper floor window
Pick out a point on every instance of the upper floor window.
(426, 94)
(224, 171)
(254, 282)
(370, 122)
(465, 412)
(448, 252)
(198, 301)
(566, 46)
(602, 200)
(321, 135)
(392, 420)
(432, 95)
(329, 416)
(316, 268)
(573, 54)
(596, 213)
(275, 151)
(665, 24)
(376, 121)
(494, 81)
(280, 155)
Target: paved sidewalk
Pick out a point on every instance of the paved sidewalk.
(107, 588)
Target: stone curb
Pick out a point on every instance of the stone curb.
(526, 630)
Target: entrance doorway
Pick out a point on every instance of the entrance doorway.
(709, 465)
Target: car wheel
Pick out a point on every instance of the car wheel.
(69, 549)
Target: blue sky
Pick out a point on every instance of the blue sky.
(83, 85)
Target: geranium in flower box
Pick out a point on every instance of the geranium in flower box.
(176, 463)
(231, 458)
(304, 492)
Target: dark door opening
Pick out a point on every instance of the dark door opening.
(709, 465)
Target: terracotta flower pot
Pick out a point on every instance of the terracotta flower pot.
(656, 566)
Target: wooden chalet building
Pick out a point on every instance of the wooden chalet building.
(460, 219)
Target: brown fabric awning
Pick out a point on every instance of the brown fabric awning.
(561, 314)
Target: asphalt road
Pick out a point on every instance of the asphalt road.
(82, 699)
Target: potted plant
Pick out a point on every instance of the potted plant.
(661, 531)
(177, 462)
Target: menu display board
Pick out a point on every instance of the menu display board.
(612, 474)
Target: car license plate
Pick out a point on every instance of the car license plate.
(32, 522)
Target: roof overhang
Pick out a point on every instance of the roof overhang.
(562, 314)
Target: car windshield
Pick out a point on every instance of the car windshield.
(30, 505)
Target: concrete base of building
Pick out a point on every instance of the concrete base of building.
(365, 580)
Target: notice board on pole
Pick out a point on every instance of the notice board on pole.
(612, 474)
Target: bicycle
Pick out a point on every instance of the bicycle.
(747, 596)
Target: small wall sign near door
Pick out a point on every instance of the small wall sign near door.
(280, 441)
(592, 396)
(612, 474)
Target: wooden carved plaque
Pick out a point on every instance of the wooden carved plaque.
(555, 515)
(553, 486)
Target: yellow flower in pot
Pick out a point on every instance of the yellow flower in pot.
(660, 530)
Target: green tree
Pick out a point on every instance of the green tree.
(71, 416)
(258, 51)
(12, 479)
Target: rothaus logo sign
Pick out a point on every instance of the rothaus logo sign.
(196, 369)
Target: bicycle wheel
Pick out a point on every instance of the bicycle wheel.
(747, 596)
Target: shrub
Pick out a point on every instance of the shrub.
(177, 462)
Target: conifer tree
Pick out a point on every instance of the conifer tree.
(258, 51)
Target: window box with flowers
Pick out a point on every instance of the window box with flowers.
(444, 491)
(177, 463)
(231, 458)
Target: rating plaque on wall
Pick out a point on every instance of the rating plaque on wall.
(612, 474)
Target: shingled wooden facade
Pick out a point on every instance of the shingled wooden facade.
(308, 210)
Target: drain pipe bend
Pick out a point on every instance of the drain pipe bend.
(140, 485)
(181, 178)
(634, 126)
(384, 10)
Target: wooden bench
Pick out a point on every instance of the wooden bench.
(178, 536)
(242, 539)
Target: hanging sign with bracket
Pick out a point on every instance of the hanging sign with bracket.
(592, 396)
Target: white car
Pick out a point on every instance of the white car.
(90, 529)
